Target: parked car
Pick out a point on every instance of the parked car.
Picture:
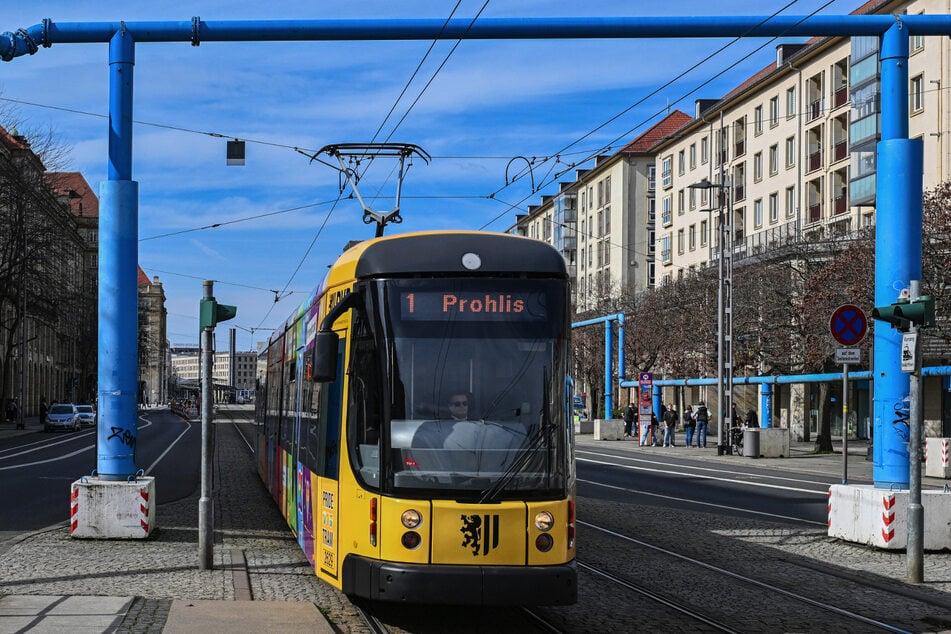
(62, 416)
(87, 415)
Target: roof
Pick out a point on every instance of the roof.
(143, 278)
(658, 132)
(73, 186)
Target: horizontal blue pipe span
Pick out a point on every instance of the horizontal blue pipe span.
(860, 375)
(27, 41)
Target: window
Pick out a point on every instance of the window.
(758, 167)
(692, 237)
(773, 159)
(651, 242)
(680, 241)
(665, 249)
(665, 210)
(791, 108)
(650, 274)
(917, 94)
(681, 162)
(703, 233)
(651, 210)
(790, 151)
(692, 195)
(680, 203)
(758, 212)
(666, 171)
(704, 150)
(607, 191)
(758, 120)
(600, 193)
(600, 223)
(773, 207)
(651, 179)
(693, 156)
(774, 112)
(790, 202)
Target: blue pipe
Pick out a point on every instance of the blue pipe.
(766, 404)
(609, 354)
(26, 41)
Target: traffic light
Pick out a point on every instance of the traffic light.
(211, 312)
(903, 314)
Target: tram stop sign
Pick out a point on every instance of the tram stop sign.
(848, 325)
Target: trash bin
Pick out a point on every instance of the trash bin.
(751, 443)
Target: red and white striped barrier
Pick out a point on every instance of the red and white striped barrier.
(938, 457)
(879, 517)
(102, 509)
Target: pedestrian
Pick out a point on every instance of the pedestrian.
(11, 408)
(689, 424)
(702, 417)
(751, 418)
(648, 431)
(670, 425)
(44, 408)
(629, 414)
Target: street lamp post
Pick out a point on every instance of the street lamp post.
(724, 312)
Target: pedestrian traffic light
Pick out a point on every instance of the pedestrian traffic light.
(211, 312)
(903, 314)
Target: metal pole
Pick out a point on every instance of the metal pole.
(205, 508)
(916, 511)
(721, 419)
(845, 423)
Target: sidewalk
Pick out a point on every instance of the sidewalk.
(260, 580)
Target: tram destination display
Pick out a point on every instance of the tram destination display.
(473, 306)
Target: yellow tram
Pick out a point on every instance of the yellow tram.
(414, 422)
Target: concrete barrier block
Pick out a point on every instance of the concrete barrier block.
(774, 442)
(879, 517)
(937, 457)
(106, 509)
(584, 426)
(608, 429)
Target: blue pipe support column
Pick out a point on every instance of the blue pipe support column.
(608, 379)
(655, 392)
(118, 277)
(897, 258)
(766, 404)
(620, 347)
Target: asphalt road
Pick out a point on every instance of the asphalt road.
(37, 469)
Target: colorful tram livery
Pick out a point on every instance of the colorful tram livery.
(389, 496)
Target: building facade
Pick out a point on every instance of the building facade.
(787, 157)
(153, 342)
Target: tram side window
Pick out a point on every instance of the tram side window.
(288, 441)
(364, 405)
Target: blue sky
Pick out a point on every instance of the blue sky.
(489, 102)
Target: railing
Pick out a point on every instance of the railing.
(766, 240)
(840, 150)
(840, 204)
(815, 212)
(739, 148)
(815, 161)
(739, 192)
(815, 110)
(840, 97)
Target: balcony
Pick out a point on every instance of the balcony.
(814, 110)
(739, 193)
(739, 148)
(815, 212)
(815, 161)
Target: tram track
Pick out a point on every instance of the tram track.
(689, 608)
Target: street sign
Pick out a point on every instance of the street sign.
(852, 356)
(909, 343)
(848, 325)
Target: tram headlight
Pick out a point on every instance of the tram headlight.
(544, 542)
(411, 518)
(411, 540)
(544, 521)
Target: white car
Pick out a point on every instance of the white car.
(62, 416)
(87, 415)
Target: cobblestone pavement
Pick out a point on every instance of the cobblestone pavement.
(248, 528)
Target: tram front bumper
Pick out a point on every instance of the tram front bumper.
(460, 585)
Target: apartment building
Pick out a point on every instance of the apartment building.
(788, 155)
(186, 366)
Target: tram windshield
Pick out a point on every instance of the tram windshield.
(474, 373)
